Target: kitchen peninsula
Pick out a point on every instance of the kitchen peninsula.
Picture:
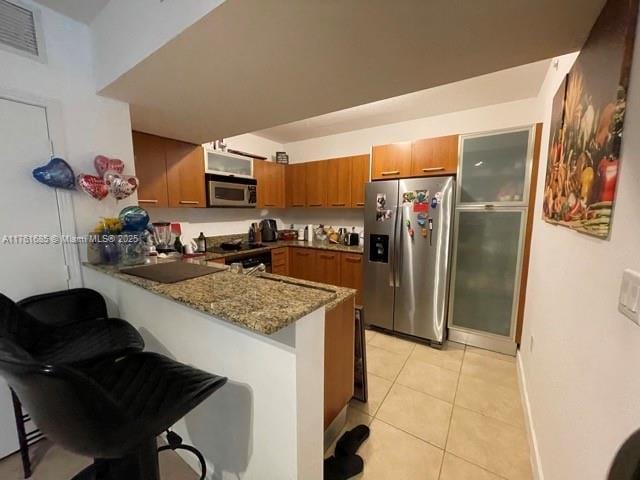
(267, 335)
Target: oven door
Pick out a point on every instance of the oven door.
(227, 194)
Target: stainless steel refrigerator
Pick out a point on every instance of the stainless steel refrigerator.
(407, 250)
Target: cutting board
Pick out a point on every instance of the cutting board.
(172, 272)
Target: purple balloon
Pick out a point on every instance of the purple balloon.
(57, 173)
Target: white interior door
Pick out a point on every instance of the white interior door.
(26, 207)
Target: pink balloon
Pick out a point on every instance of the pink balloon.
(93, 186)
(121, 186)
(103, 164)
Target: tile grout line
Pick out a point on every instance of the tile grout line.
(479, 466)
(446, 441)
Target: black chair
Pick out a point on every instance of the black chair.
(67, 327)
(111, 410)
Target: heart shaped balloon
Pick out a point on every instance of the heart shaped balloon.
(93, 186)
(104, 164)
(109, 176)
(57, 173)
(121, 186)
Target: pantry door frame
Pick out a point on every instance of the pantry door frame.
(66, 212)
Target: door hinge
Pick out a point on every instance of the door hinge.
(66, 272)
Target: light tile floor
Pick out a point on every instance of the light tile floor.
(451, 414)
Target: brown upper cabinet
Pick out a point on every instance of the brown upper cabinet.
(333, 183)
(391, 161)
(296, 185)
(359, 177)
(434, 156)
(271, 183)
(316, 184)
(171, 173)
(151, 170)
(338, 182)
(185, 174)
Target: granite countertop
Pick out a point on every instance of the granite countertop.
(338, 247)
(264, 303)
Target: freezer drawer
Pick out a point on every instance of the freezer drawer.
(487, 264)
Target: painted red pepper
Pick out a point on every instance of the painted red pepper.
(608, 171)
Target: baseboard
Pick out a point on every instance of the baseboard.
(536, 464)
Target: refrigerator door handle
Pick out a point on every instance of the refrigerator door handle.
(392, 252)
(398, 245)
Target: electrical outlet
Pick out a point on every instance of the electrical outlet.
(629, 301)
(531, 343)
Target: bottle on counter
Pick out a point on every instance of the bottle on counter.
(252, 235)
(202, 243)
(177, 245)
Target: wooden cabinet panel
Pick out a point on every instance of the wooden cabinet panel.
(316, 183)
(280, 261)
(303, 264)
(434, 156)
(328, 267)
(218, 260)
(271, 184)
(391, 161)
(151, 170)
(359, 177)
(339, 183)
(351, 273)
(185, 174)
(339, 340)
(296, 185)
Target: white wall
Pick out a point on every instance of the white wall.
(125, 32)
(581, 384)
(90, 124)
(503, 115)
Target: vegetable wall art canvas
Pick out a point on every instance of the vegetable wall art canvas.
(586, 125)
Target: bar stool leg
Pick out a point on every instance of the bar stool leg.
(22, 434)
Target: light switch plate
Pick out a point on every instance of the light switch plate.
(629, 301)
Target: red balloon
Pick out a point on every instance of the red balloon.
(93, 186)
(103, 164)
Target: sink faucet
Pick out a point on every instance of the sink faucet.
(258, 268)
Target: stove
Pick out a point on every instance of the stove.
(248, 254)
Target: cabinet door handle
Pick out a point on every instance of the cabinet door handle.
(338, 204)
(327, 257)
(390, 172)
(189, 202)
(353, 260)
(433, 169)
(489, 206)
(297, 204)
(269, 204)
(315, 204)
(147, 201)
(360, 204)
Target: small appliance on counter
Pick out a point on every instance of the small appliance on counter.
(288, 234)
(269, 230)
(162, 237)
(353, 238)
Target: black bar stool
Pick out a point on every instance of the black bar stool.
(111, 410)
(67, 327)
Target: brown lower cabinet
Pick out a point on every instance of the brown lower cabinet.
(351, 273)
(343, 269)
(339, 339)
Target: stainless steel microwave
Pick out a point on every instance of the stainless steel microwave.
(226, 191)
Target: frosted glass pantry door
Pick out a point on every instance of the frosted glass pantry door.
(487, 270)
(494, 168)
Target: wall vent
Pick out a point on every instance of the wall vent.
(19, 29)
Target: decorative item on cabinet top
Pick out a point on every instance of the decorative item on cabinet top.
(419, 158)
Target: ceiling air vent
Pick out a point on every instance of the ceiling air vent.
(19, 29)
